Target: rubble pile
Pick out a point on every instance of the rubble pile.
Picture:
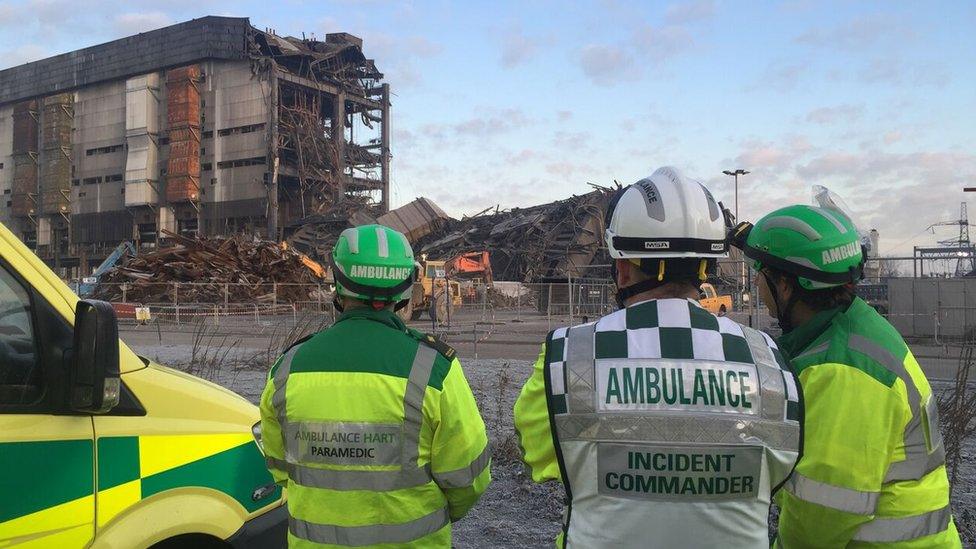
(545, 242)
(237, 269)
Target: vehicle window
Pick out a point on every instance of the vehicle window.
(19, 372)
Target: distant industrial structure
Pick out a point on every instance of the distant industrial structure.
(207, 127)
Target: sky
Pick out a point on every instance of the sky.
(519, 103)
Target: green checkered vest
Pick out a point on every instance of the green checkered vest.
(672, 427)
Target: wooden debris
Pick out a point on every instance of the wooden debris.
(237, 269)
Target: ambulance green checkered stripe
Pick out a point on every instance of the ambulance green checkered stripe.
(236, 472)
(118, 461)
(66, 465)
(642, 315)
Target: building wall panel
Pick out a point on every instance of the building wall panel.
(55, 154)
(207, 37)
(6, 162)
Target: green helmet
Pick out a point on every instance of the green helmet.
(373, 263)
(820, 247)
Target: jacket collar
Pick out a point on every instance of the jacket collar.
(384, 316)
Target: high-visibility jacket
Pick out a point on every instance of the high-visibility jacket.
(873, 467)
(376, 432)
(669, 427)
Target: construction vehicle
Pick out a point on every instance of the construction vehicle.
(100, 447)
(88, 283)
(474, 268)
(317, 269)
(714, 303)
(433, 291)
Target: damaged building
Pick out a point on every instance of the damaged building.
(208, 127)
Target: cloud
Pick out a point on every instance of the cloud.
(563, 116)
(568, 142)
(859, 33)
(605, 65)
(689, 12)
(126, 24)
(8, 15)
(893, 137)
(780, 76)
(518, 48)
(897, 71)
(659, 44)
(492, 123)
(831, 115)
(22, 54)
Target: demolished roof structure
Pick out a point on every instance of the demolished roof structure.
(546, 242)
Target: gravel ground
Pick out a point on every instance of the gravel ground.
(514, 512)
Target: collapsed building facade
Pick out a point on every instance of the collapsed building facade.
(208, 127)
(536, 244)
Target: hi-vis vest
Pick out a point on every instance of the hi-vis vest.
(669, 452)
(377, 434)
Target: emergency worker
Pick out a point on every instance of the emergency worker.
(372, 425)
(873, 467)
(668, 426)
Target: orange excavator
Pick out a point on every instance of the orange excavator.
(473, 266)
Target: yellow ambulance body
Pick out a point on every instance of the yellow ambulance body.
(130, 458)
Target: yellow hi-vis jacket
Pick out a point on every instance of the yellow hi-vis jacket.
(376, 432)
(873, 471)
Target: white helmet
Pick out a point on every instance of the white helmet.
(666, 215)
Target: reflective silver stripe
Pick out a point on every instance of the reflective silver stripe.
(905, 528)
(771, 386)
(278, 398)
(413, 404)
(883, 357)
(275, 463)
(357, 536)
(834, 497)
(916, 467)
(463, 477)
(382, 244)
(343, 480)
(792, 223)
(814, 350)
(830, 217)
(701, 428)
(352, 239)
(409, 475)
(580, 377)
(918, 460)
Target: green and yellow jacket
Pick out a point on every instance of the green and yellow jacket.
(872, 473)
(375, 431)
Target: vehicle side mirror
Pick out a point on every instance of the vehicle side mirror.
(94, 365)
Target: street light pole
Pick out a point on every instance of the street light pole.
(745, 280)
(735, 175)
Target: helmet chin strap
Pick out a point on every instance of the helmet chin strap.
(782, 312)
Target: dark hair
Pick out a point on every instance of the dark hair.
(818, 300)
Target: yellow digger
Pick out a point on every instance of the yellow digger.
(430, 291)
(712, 302)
